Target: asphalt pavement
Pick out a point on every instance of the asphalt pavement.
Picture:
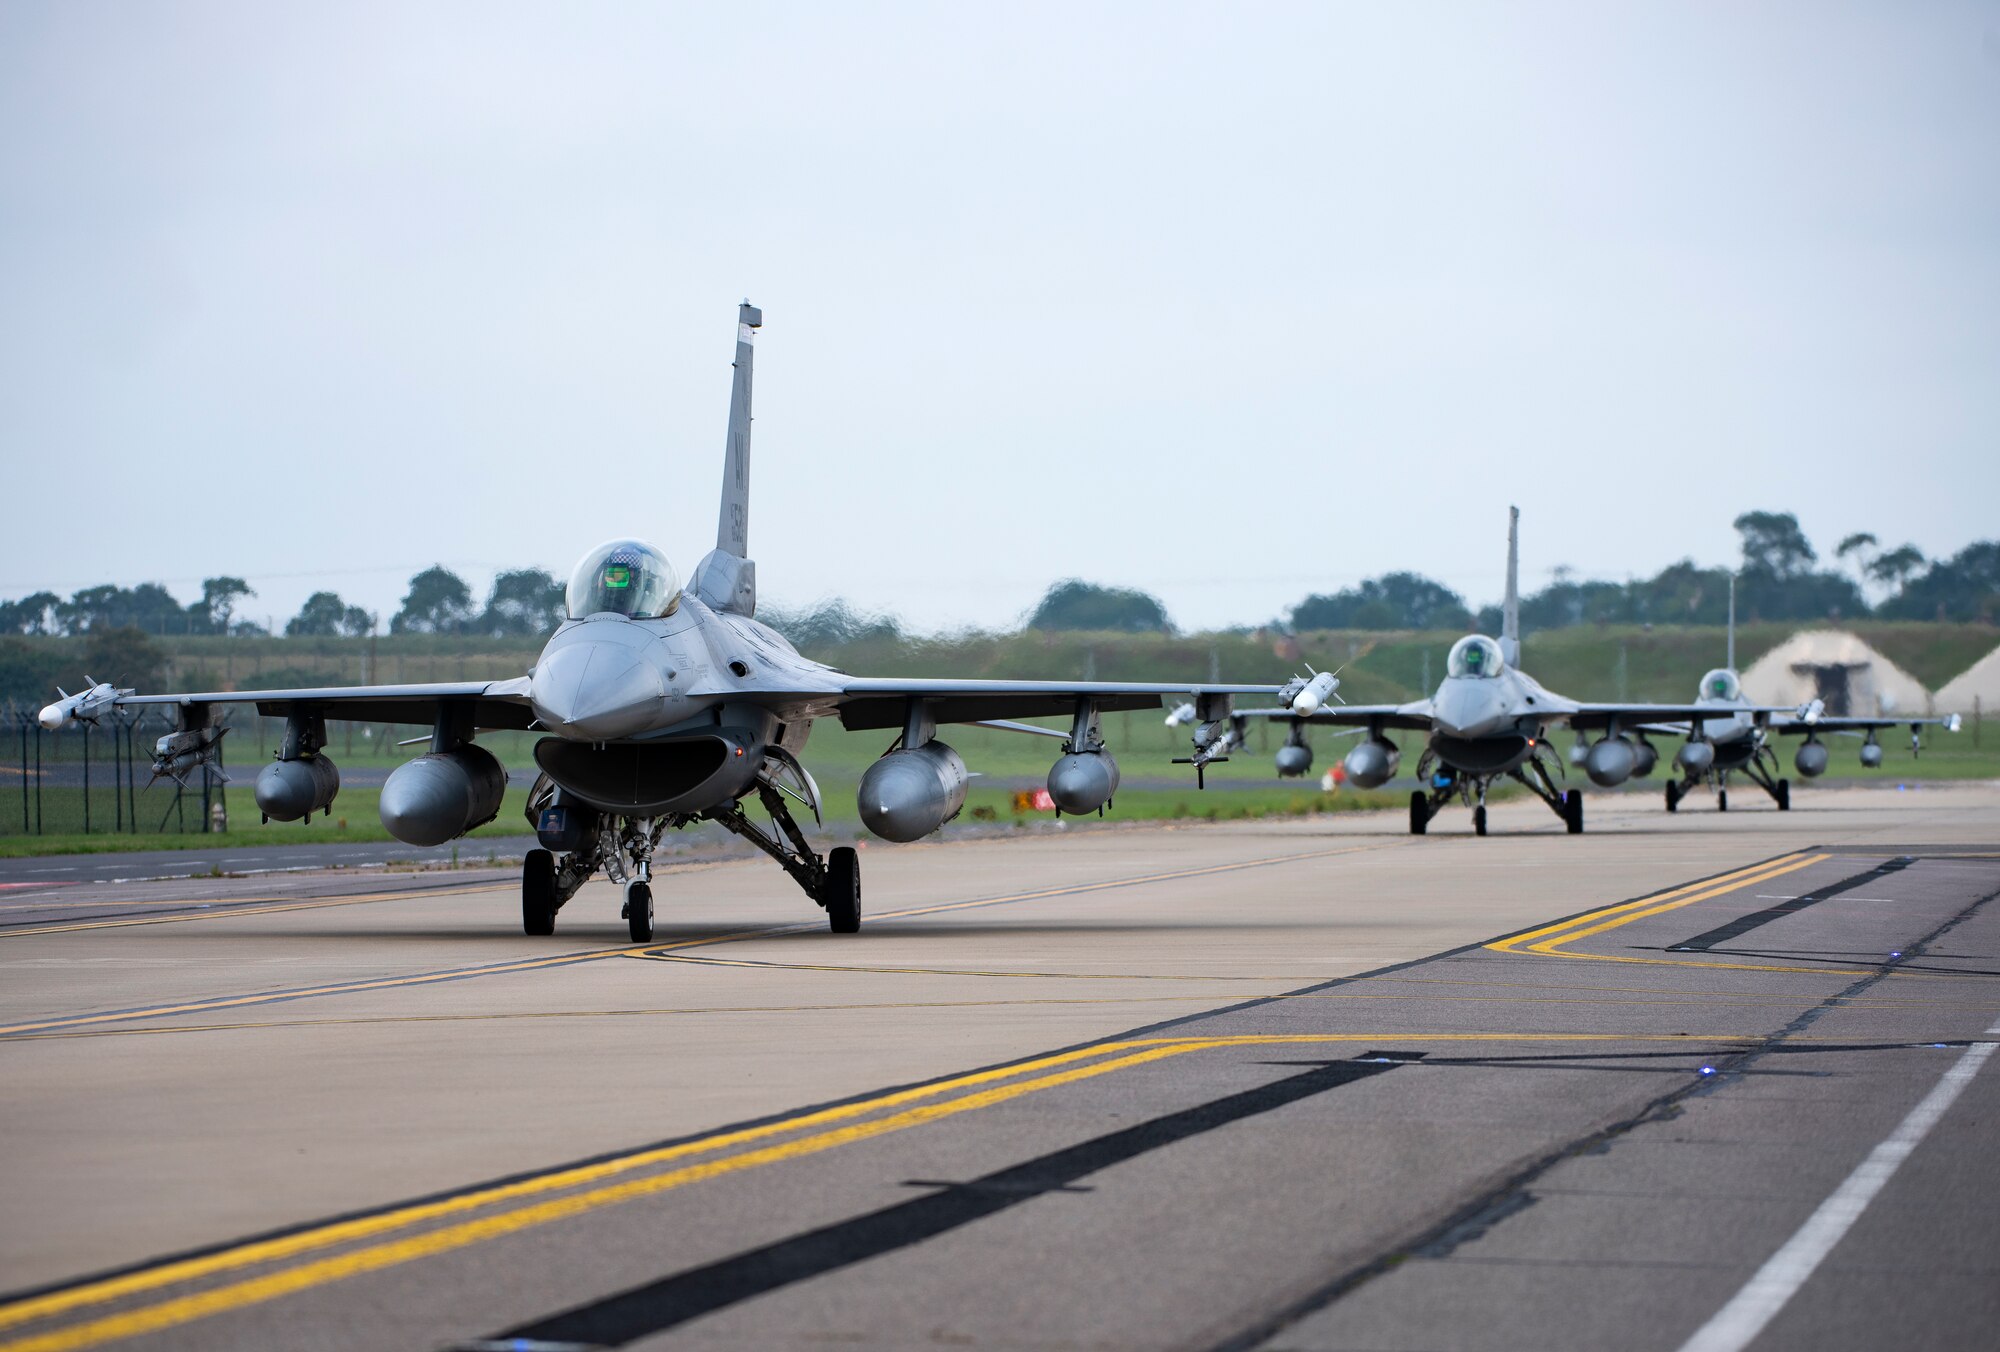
(1697, 1082)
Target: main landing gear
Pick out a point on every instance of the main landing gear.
(624, 850)
(833, 882)
(1471, 789)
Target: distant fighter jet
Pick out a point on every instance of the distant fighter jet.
(1488, 719)
(664, 706)
(1737, 739)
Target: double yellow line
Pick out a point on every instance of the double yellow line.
(589, 1187)
(1550, 941)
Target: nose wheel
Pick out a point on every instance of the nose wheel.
(639, 912)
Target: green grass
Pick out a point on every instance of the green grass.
(354, 819)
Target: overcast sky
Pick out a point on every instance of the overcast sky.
(1229, 303)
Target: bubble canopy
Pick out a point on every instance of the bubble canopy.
(1721, 684)
(1474, 655)
(623, 577)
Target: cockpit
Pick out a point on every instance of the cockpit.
(626, 578)
(1721, 684)
(1474, 655)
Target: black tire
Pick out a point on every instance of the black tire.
(1479, 820)
(1673, 797)
(538, 893)
(639, 912)
(1573, 811)
(1784, 795)
(1420, 813)
(1722, 800)
(840, 893)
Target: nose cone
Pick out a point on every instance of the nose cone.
(1467, 708)
(597, 691)
(52, 716)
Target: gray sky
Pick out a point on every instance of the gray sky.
(1232, 304)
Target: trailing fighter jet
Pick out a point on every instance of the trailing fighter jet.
(1737, 739)
(663, 705)
(1488, 720)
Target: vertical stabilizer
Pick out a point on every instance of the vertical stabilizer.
(726, 578)
(1731, 662)
(1510, 608)
(732, 529)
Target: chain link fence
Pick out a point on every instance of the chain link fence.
(85, 780)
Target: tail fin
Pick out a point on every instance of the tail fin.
(726, 578)
(1510, 608)
(1731, 662)
(732, 530)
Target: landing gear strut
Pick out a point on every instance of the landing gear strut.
(1566, 803)
(546, 885)
(833, 882)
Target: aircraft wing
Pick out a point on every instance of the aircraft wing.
(1414, 717)
(496, 704)
(881, 702)
(1799, 726)
(1644, 717)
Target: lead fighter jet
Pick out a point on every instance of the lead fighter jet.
(664, 705)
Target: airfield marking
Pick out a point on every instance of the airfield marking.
(175, 1311)
(251, 906)
(11, 1031)
(1772, 1287)
(1550, 940)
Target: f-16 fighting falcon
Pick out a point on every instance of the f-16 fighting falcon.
(664, 705)
(1736, 739)
(1488, 719)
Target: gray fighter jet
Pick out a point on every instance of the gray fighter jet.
(1736, 739)
(1488, 720)
(664, 705)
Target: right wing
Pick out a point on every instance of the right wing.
(1414, 717)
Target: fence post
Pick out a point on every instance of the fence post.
(1975, 722)
(24, 776)
(117, 777)
(86, 779)
(38, 777)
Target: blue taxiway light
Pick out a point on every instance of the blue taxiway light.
(1708, 1070)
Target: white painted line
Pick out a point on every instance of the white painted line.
(71, 868)
(1758, 1303)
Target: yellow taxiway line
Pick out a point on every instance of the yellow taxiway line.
(1550, 941)
(826, 1129)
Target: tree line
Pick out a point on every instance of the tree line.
(522, 602)
(1780, 577)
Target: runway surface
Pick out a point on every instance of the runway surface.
(1697, 1081)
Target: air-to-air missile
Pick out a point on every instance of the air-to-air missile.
(85, 707)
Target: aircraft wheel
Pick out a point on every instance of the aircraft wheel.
(1722, 800)
(1673, 797)
(1784, 795)
(1420, 814)
(1573, 811)
(538, 893)
(841, 892)
(639, 912)
(1479, 820)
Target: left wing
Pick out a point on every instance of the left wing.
(1632, 717)
(883, 702)
(1800, 726)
